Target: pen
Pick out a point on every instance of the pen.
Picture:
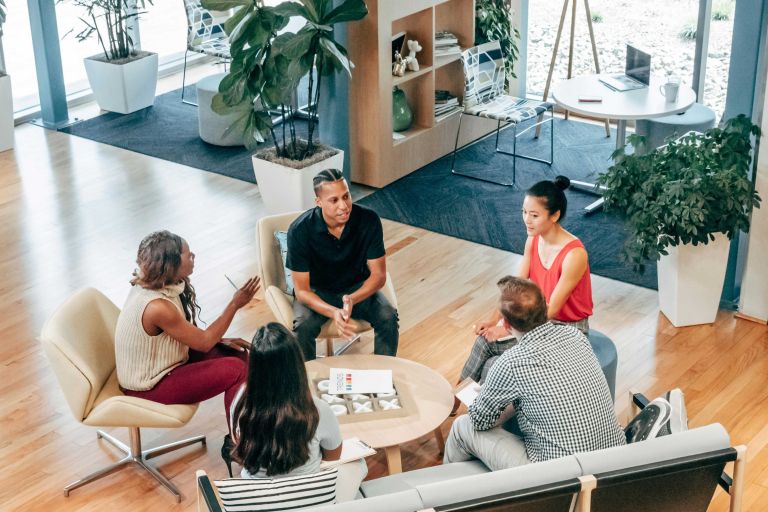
(231, 282)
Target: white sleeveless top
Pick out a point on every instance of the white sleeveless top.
(142, 360)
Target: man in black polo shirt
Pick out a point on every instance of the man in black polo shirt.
(336, 255)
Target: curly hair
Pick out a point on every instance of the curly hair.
(159, 259)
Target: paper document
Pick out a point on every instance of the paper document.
(344, 380)
(467, 391)
(351, 449)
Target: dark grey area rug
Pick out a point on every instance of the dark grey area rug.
(432, 198)
(168, 130)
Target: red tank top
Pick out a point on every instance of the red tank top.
(579, 304)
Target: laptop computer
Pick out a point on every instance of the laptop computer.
(637, 72)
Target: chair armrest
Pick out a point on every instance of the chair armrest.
(207, 499)
(281, 305)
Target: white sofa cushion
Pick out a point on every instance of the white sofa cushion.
(498, 482)
(692, 442)
(412, 479)
(404, 501)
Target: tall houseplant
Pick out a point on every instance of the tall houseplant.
(266, 69)
(6, 95)
(694, 191)
(123, 79)
(493, 22)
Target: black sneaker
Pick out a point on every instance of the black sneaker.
(649, 422)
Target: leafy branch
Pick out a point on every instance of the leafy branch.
(493, 22)
(684, 192)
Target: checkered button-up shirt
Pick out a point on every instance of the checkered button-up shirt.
(554, 381)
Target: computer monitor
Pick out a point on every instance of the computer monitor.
(638, 65)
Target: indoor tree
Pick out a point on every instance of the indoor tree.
(493, 22)
(267, 68)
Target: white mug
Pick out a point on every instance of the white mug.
(670, 89)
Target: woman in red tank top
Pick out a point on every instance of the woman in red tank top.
(555, 260)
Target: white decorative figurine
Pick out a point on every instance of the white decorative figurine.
(414, 47)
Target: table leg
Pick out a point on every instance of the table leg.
(621, 133)
(394, 463)
(440, 440)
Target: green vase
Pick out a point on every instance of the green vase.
(402, 116)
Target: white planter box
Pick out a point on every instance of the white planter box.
(288, 190)
(123, 88)
(6, 113)
(691, 281)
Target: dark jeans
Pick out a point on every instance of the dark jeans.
(376, 310)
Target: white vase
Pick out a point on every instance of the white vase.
(6, 113)
(285, 189)
(691, 281)
(123, 88)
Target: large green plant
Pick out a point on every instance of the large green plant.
(684, 192)
(109, 21)
(493, 22)
(266, 67)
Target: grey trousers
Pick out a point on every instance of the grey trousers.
(351, 475)
(496, 448)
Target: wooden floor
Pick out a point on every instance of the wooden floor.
(71, 215)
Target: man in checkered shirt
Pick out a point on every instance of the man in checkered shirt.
(551, 381)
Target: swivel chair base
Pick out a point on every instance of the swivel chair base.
(134, 454)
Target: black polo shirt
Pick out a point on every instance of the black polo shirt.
(335, 264)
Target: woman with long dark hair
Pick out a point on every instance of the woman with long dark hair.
(160, 352)
(555, 260)
(279, 429)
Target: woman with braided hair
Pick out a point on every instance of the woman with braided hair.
(160, 352)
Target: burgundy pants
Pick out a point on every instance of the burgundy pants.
(203, 376)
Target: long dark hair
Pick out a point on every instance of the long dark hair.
(159, 259)
(551, 192)
(277, 417)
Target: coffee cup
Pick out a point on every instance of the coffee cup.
(670, 89)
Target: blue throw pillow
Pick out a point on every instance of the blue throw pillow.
(282, 239)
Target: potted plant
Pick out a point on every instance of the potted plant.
(265, 71)
(682, 203)
(123, 79)
(6, 95)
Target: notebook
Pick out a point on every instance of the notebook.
(637, 72)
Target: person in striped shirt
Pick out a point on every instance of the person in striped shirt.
(544, 398)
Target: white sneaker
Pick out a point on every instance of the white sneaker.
(649, 421)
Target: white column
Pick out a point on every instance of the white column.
(754, 287)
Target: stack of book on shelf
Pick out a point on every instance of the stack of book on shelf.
(446, 45)
(445, 104)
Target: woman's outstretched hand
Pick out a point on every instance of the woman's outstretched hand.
(236, 343)
(244, 295)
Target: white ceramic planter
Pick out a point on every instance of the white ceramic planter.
(285, 189)
(6, 113)
(691, 281)
(123, 88)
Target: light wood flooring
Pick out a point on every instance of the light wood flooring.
(72, 212)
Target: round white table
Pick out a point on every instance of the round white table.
(644, 103)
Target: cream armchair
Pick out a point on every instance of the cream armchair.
(79, 340)
(273, 280)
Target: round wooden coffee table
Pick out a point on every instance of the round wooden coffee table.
(431, 402)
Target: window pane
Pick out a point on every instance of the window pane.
(19, 57)
(665, 29)
(163, 29)
(72, 51)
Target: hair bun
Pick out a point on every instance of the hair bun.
(562, 182)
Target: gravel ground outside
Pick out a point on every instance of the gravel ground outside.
(652, 25)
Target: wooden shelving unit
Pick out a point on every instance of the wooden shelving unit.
(376, 159)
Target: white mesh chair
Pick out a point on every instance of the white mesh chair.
(484, 97)
(206, 35)
(79, 340)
